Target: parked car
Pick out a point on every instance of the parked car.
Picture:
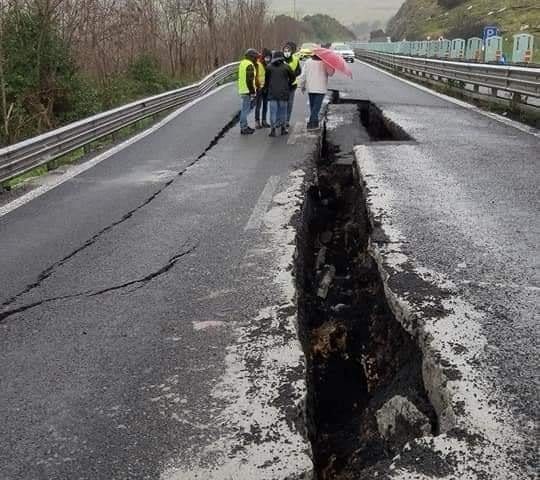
(306, 50)
(345, 51)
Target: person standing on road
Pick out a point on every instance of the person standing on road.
(293, 61)
(262, 89)
(247, 88)
(279, 77)
(314, 80)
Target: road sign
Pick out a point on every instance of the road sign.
(490, 31)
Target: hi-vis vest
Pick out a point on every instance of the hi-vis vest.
(261, 74)
(243, 88)
(293, 66)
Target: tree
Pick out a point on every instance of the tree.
(3, 95)
(207, 10)
(177, 15)
(63, 59)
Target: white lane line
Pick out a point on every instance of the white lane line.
(83, 167)
(257, 216)
(461, 103)
(297, 130)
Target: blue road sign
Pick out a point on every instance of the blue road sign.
(489, 32)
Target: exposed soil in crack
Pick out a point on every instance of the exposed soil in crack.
(50, 270)
(366, 397)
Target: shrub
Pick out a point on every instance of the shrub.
(43, 87)
(450, 3)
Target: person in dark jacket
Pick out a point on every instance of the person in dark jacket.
(262, 89)
(279, 77)
(247, 88)
(293, 61)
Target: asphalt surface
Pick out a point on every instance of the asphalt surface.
(458, 212)
(147, 326)
(129, 294)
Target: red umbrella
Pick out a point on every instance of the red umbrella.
(333, 59)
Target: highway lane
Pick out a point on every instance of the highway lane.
(34, 238)
(171, 351)
(141, 351)
(459, 205)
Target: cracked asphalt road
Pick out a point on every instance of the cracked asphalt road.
(144, 328)
(127, 294)
(458, 208)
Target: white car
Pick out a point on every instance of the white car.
(345, 51)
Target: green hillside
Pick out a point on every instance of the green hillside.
(419, 19)
(323, 28)
(312, 28)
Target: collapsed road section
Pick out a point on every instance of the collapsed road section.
(366, 397)
(377, 389)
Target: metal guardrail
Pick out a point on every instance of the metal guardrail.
(519, 81)
(24, 156)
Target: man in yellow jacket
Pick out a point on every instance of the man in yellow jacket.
(247, 88)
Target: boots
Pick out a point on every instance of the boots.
(272, 133)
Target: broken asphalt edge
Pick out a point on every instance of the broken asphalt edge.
(477, 439)
(265, 369)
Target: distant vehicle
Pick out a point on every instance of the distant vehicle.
(306, 50)
(345, 51)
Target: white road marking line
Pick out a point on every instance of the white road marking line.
(461, 103)
(257, 217)
(83, 167)
(296, 131)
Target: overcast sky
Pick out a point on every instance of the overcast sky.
(348, 11)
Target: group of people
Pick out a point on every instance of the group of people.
(269, 80)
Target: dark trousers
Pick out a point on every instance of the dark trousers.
(315, 104)
(261, 105)
(278, 113)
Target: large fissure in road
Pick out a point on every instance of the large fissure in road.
(366, 396)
